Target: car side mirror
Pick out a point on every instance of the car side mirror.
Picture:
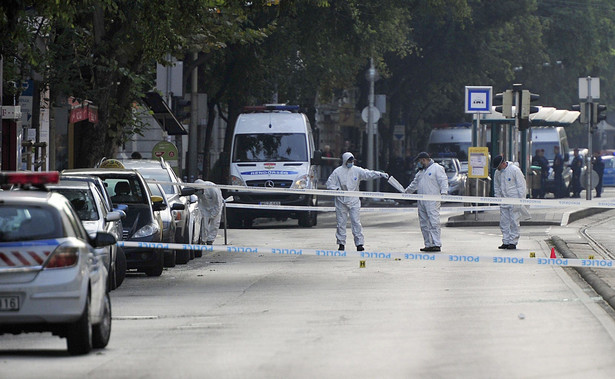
(103, 239)
(178, 207)
(187, 191)
(114, 216)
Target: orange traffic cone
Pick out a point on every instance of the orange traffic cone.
(553, 253)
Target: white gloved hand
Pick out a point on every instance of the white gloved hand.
(384, 175)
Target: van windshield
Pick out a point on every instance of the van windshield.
(457, 149)
(547, 147)
(279, 147)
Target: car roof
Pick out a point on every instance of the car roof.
(144, 163)
(101, 171)
(76, 184)
(30, 196)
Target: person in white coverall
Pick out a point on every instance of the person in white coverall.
(508, 181)
(431, 179)
(347, 177)
(210, 205)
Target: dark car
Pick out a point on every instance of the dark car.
(128, 187)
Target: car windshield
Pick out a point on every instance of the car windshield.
(280, 147)
(28, 223)
(159, 175)
(82, 201)
(457, 149)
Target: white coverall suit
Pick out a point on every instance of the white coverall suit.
(431, 180)
(348, 179)
(210, 205)
(509, 182)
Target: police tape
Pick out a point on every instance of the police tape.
(404, 256)
(362, 210)
(565, 202)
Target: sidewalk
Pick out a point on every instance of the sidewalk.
(540, 216)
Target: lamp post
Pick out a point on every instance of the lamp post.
(372, 76)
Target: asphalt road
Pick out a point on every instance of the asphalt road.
(237, 315)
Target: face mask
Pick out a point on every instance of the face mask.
(420, 165)
(349, 164)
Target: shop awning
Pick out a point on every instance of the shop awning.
(163, 115)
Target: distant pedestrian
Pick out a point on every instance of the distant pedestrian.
(347, 177)
(327, 164)
(539, 160)
(558, 171)
(430, 179)
(508, 181)
(576, 166)
(598, 166)
(210, 206)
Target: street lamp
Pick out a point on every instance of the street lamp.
(372, 76)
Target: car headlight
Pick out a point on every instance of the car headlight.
(301, 182)
(146, 231)
(237, 181)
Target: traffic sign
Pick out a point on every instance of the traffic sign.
(375, 113)
(399, 132)
(478, 99)
(589, 87)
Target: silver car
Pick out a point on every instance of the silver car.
(89, 205)
(52, 277)
(168, 221)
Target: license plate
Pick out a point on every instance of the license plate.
(9, 303)
(270, 203)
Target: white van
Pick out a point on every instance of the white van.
(273, 147)
(547, 137)
(450, 142)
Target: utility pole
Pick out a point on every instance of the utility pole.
(194, 120)
(372, 117)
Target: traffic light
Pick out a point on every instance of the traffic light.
(526, 98)
(181, 109)
(506, 100)
(596, 113)
(583, 109)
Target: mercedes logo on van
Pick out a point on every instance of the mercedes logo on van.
(269, 184)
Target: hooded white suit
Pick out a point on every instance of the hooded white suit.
(509, 182)
(210, 205)
(431, 180)
(348, 179)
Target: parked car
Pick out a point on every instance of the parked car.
(608, 179)
(161, 171)
(52, 273)
(456, 178)
(89, 205)
(141, 224)
(168, 222)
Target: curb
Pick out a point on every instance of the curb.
(567, 218)
(599, 285)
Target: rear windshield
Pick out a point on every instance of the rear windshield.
(29, 223)
(126, 190)
(280, 147)
(82, 201)
(159, 175)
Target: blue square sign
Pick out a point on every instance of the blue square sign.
(478, 99)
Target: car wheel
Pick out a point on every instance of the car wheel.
(182, 256)
(79, 333)
(120, 267)
(309, 218)
(170, 258)
(158, 268)
(101, 333)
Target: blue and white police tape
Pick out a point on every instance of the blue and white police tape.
(405, 256)
(594, 203)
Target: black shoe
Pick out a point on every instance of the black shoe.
(434, 248)
(360, 248)
(209, 242)
(511, 247)
(425, 249)
(503, 246)
(341, 247)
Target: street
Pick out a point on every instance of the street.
(237, 315)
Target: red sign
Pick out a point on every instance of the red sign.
(83, 113)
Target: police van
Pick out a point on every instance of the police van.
(273, 147)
